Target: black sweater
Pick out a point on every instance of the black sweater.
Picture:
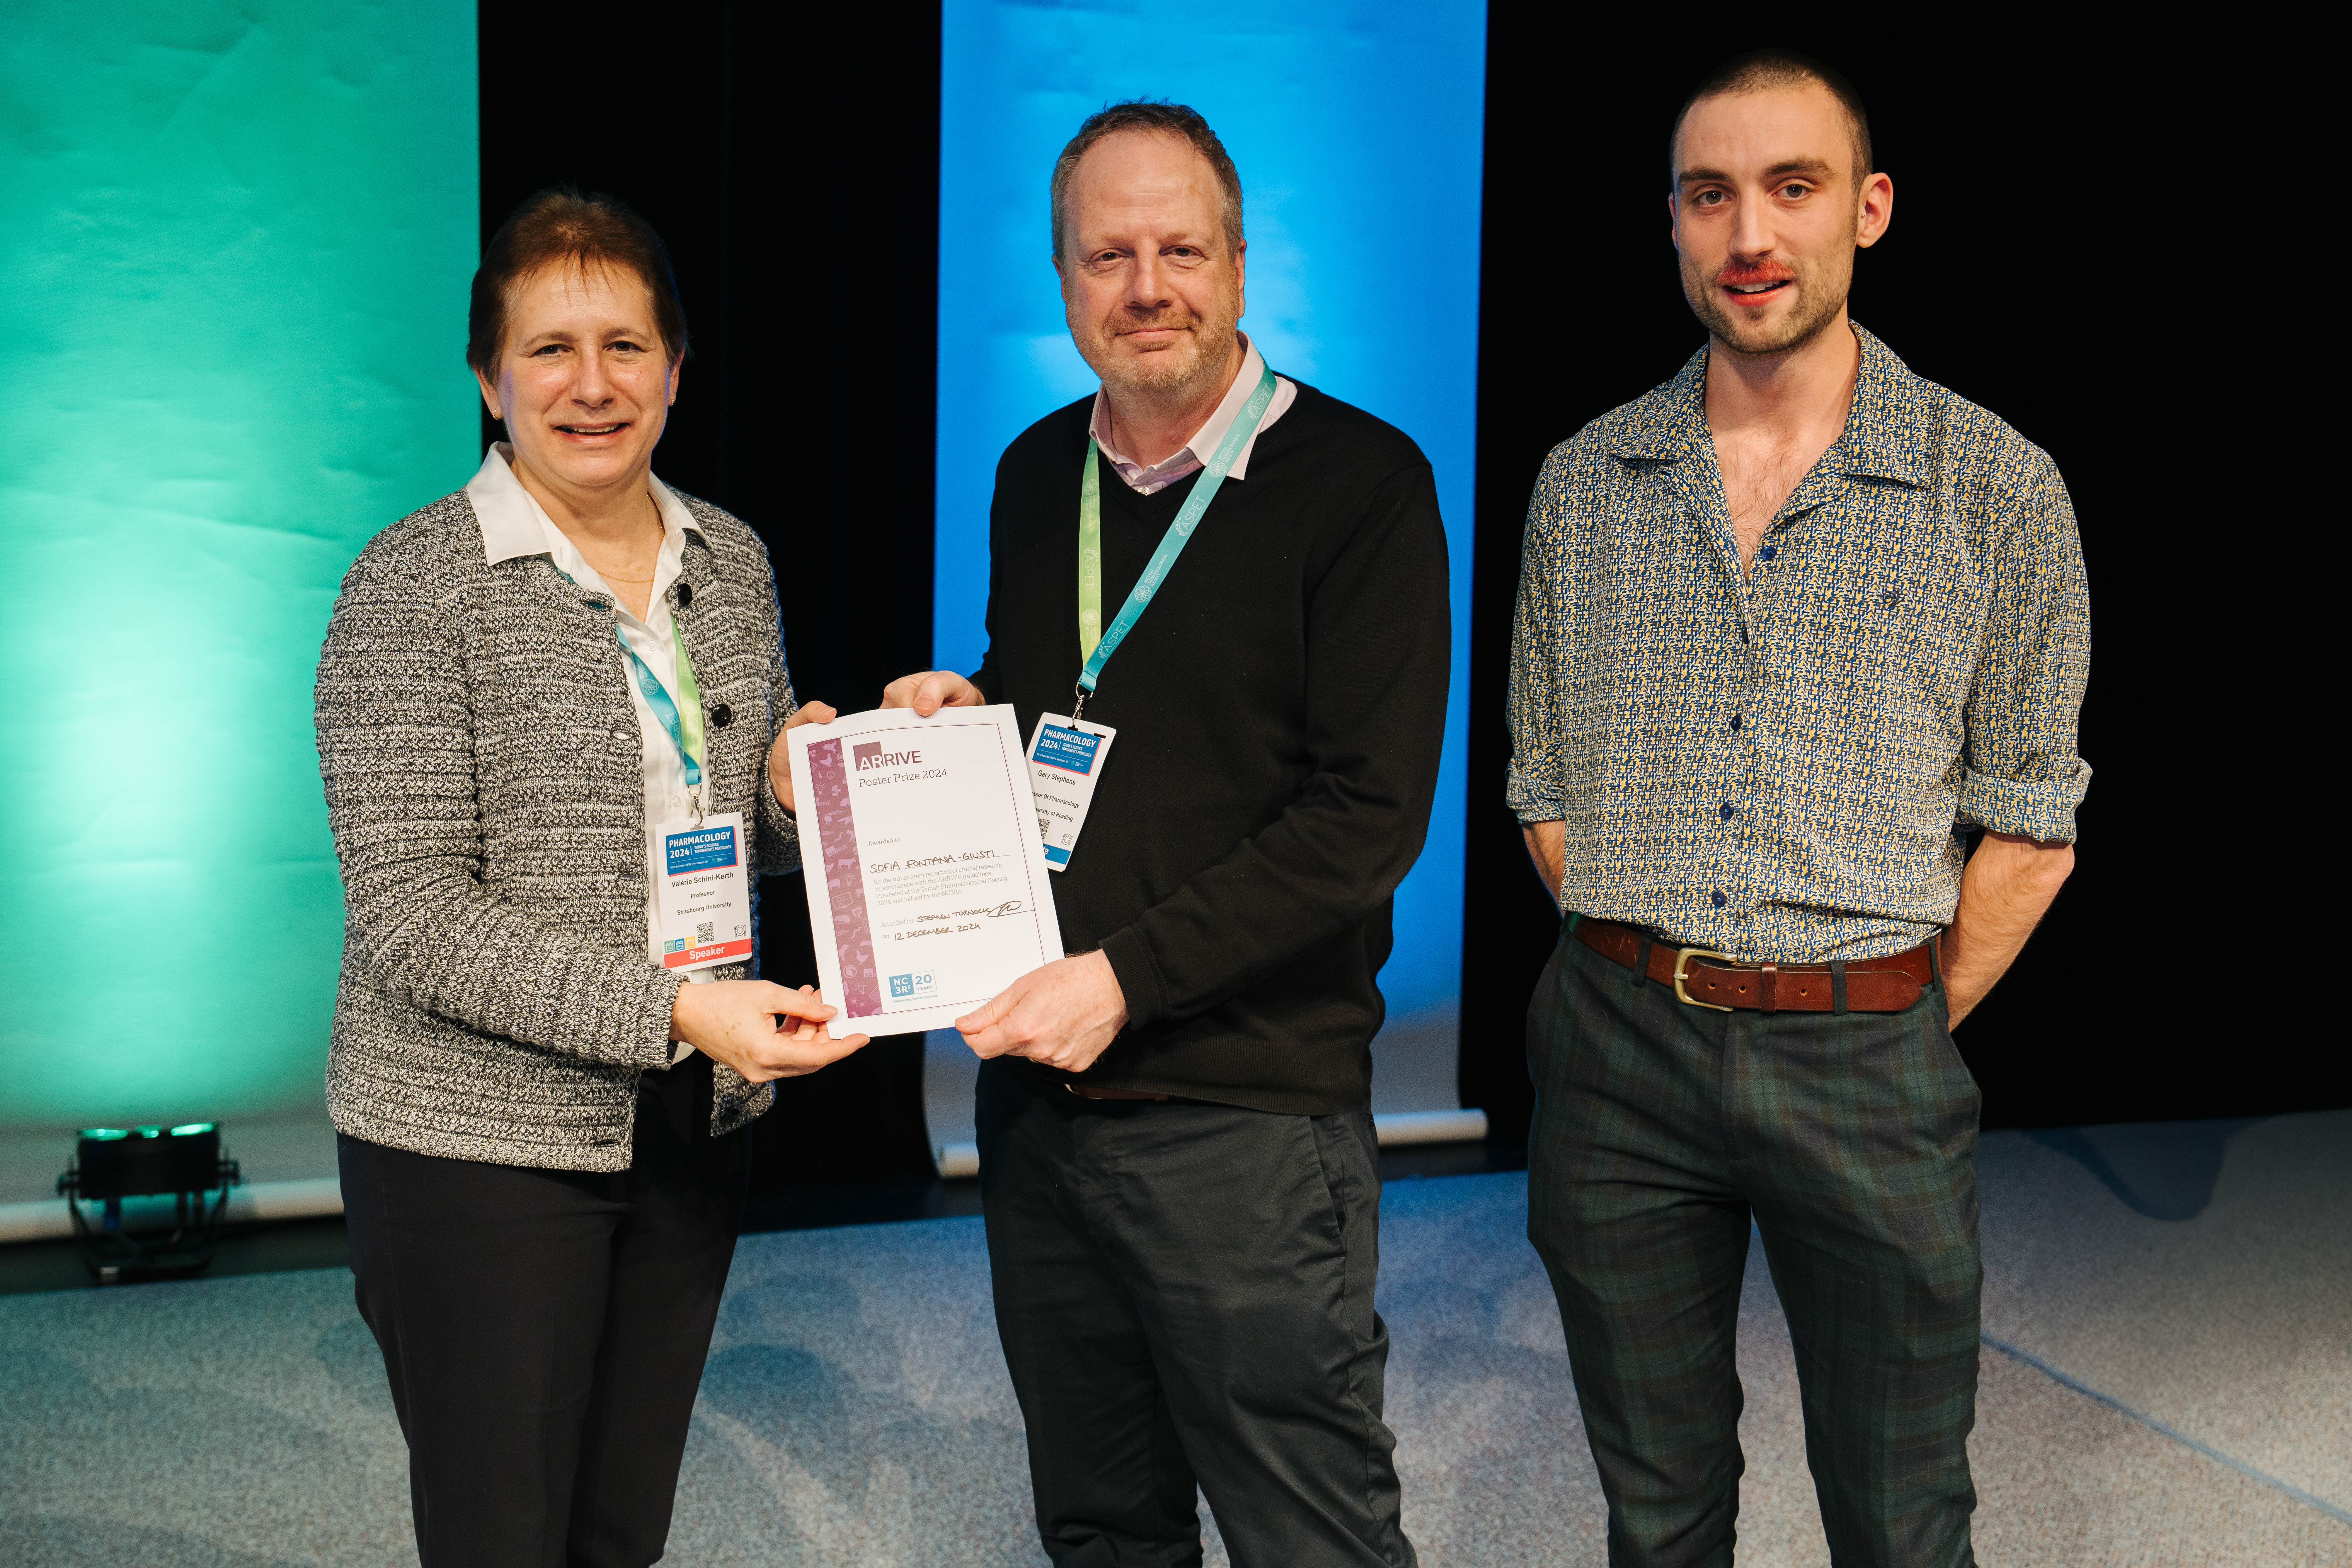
(1280, 709)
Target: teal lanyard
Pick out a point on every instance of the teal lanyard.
(659, 700)
(1171, 543)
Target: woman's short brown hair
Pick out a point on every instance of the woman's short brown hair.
(557, 224)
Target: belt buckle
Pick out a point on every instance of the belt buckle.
(1682, 967)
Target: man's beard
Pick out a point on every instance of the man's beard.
(1172, 375)
(1819, 299)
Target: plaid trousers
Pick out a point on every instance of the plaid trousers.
(1660, 1129)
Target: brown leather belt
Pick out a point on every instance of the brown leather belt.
(1705, 978)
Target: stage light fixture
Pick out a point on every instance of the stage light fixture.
(184, 1164)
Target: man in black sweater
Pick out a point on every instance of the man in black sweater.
(1177, 1155)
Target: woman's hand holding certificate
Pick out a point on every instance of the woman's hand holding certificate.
(780, 759)
(762, 1030)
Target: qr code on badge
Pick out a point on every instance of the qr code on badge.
(703, 934)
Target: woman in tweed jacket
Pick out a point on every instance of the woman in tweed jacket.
(542, 1130)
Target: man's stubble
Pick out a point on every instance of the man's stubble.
(1819, 297)
(1175, 374)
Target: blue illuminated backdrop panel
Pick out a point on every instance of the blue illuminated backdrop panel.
(1357, 128)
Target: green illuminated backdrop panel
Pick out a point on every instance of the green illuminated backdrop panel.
(235, 241)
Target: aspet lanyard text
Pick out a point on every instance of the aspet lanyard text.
(685, 727)
(1095, 645)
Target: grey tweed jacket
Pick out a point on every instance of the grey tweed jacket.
(482, 767)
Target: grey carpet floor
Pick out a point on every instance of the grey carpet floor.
(854, 1411)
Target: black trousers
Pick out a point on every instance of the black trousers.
(543, 1332)
(1184, 1292)
(1660, 1130)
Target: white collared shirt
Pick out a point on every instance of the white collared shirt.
(514, 524)
(1196, 453)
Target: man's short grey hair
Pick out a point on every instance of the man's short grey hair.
(1169, 119)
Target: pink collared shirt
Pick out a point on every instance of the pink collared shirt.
(1195, 452)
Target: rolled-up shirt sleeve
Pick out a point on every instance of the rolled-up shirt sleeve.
(2021, 774)
(1534, 790)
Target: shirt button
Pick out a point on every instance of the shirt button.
(1719, 900)
(1727, 811)
(721, 716)
(1769, 552)
(1735, 721)
(685, 595)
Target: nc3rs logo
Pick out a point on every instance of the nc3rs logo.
(903, 986)
(870, 756)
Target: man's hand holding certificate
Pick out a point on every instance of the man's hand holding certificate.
(927, 884)
(1065, 1015)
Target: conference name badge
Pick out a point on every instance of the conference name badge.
(703, 895)
(1065, 758)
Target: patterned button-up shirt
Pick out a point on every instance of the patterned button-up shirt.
(1780, 766)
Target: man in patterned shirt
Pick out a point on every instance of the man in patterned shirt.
(1793, 629)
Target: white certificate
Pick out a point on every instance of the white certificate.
(927, 891)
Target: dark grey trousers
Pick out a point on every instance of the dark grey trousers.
(1661, 1130)
(1184, 1292)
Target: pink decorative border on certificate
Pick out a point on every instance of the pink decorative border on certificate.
(845, 881)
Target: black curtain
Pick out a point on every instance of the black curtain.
(2078, 245)
(789, 157)
(2082, 244)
